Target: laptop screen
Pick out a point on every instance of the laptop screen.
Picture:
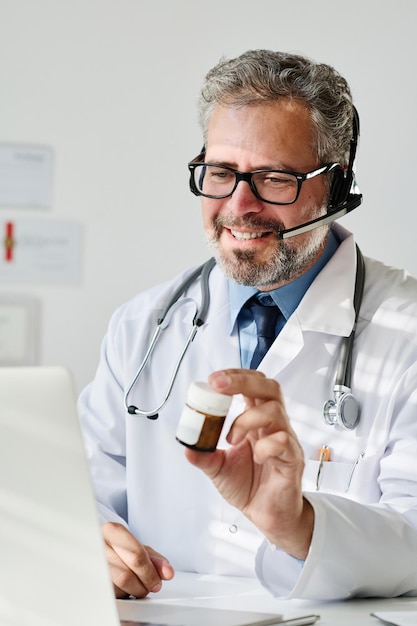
(52, 567)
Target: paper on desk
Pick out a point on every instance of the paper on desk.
(397, 618)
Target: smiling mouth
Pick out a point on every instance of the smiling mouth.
(246, 236)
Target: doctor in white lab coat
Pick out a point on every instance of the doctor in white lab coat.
(263, 504)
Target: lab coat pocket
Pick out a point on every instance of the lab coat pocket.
(329, 477)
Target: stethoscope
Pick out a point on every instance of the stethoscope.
(343, 411)
(202, 272)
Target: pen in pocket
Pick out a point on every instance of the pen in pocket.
(324, 456)
(355, 465)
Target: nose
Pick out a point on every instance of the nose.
(243, 200)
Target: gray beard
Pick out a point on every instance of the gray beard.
(284, 264)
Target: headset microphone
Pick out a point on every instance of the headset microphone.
(344, 194)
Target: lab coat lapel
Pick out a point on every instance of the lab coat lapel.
(284, 349)
(327, 307)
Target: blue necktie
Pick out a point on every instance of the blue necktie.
(266, 321)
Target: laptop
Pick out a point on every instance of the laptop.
(53, 570)
(52, 565)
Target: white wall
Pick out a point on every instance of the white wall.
(111, 85)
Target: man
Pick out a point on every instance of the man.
(316, 508)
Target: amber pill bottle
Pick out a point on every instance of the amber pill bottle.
(202, 418)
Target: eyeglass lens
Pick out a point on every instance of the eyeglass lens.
(220, 182)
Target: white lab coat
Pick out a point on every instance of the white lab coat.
(365, 533)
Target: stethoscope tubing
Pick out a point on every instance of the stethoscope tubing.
(344, 369)
(343, 373)
(203, 272)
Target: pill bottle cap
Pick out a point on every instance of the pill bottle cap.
(203, 398)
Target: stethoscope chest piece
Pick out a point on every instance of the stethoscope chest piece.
(343, 411)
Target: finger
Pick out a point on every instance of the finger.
(251, 383)
(280, 446)
(131, 566)
(120, 594)
(161, 563)
(125, 582)
(209, 463)
(265, 418)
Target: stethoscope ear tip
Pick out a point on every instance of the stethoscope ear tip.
(133, 410)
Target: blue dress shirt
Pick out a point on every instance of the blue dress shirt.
(287, 298)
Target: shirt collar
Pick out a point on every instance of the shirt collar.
(289, 296)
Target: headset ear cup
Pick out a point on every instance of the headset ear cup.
(340, 188)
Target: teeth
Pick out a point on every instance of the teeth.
(242, 236)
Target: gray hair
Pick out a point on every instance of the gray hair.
(260, 76)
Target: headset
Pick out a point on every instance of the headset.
(344, 194)
(343, 410)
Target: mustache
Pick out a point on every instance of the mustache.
(223, 221)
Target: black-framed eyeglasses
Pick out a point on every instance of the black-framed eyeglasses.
(217, 181)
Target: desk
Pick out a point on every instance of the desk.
(197, 590)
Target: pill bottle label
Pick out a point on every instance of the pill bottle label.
(202, 418)
(190, 426)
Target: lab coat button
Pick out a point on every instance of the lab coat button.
(233, 528)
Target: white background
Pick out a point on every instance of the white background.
(111, 86)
